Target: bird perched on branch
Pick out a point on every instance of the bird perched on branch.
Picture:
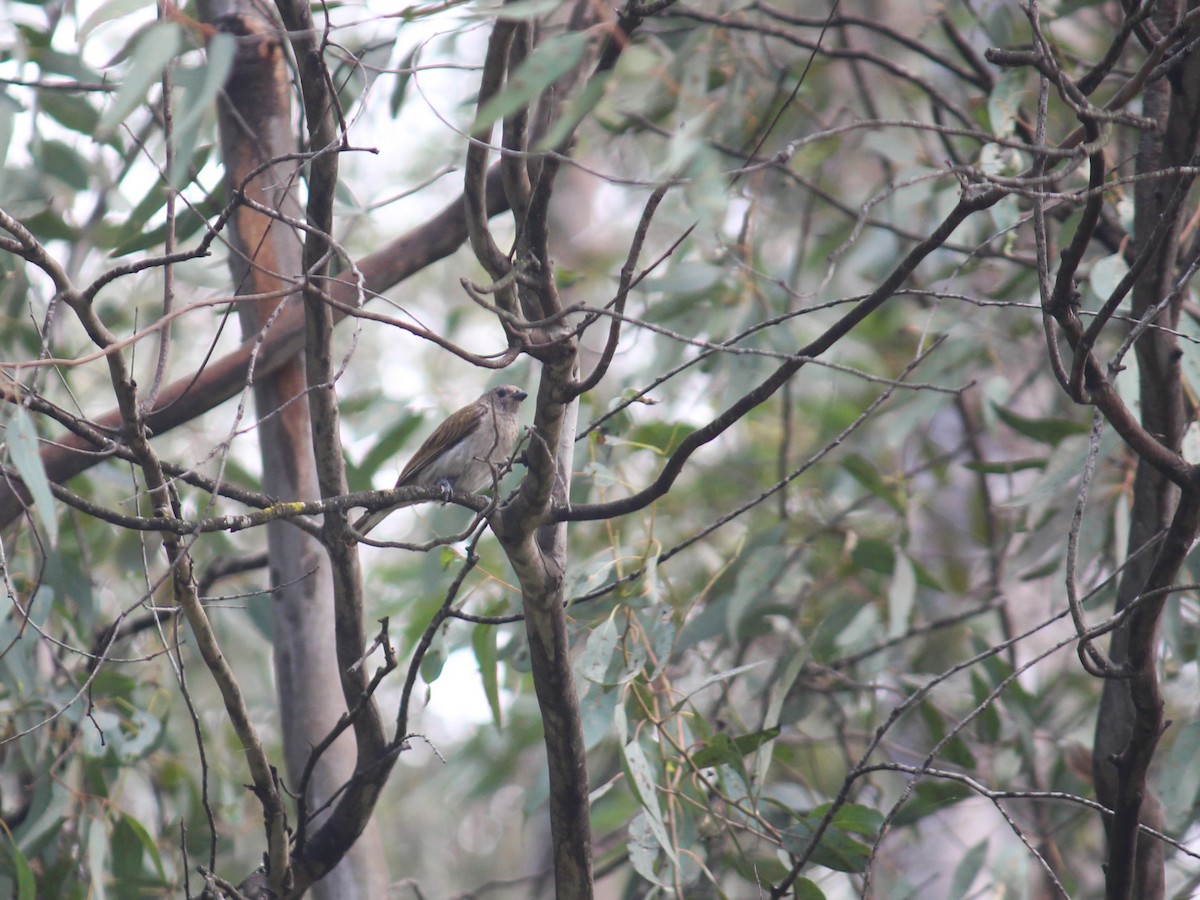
(463, 452)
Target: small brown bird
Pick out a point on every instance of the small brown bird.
(462, 452)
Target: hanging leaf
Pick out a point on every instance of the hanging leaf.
(24, 453)
(403, 77)
(967, 869)
(549, 61)
(154, 49)
(483, 642)
(576, 111)
(643, 849)
(601, 645)
(724, 749)
(836, 850)
(887, 489)
(902, 595)
(1045, 431)
(641, 782)
(201, 85)
(108, 12)
(717, 679)
(19, 869)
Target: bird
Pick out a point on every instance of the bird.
(461, 454)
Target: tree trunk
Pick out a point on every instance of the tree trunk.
(256, 124)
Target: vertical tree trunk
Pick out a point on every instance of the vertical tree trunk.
(1175, 104)
(256, 124)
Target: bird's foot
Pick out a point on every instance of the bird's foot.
(444, 486)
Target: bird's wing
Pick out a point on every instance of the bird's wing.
(445, 436)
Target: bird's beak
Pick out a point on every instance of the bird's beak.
(520, 395)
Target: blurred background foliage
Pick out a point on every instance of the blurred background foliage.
(856, 594)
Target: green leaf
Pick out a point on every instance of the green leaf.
(662, 639)
(9, 108)
(187, 223)
(1046, 569)
(549, 61)
(724, 749)
(49, 808)
(748, 743)
(130, 841)
(643, 845)
(70, 111)
(1044, 431)
(887, 489)
(902, 595)
(483, 641)
(876, 555)
(110, 683)
(387, 447)
(60, 161)
(601, 644)
(1105, 275)
(598, 711)
(928, 798)
(431, 665)
(23, 451)
(661, 437)
(403, 77)
(137, 736)
(153, 50)
(955, 749)
(755, 596)
(50, 225)
(1181, 770)
(758, 869)
(107, 12)
(19, 869)
(717, 679)
(683, 283)
(520, 11)
(781, 686)
(135, 223)
(987, 723)
(1004, 101)
(97, 856)
(69, 65)
(201, 86)
(837, 850)
(1189, 361)
(719, 751)
(641, 782)
(102, 724)
(864, 820)
(1063, 469)
(967, 869)
(1006, 467)
(576, 110)
(861, 631)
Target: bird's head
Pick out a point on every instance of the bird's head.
(506, 398)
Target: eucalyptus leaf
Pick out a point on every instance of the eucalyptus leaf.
(642, 782)
(483, 641)
(202, 85)
(18, 868)
(968, 869)
(549, 61)
(25, 454)
(109, 11)
(152, 52)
